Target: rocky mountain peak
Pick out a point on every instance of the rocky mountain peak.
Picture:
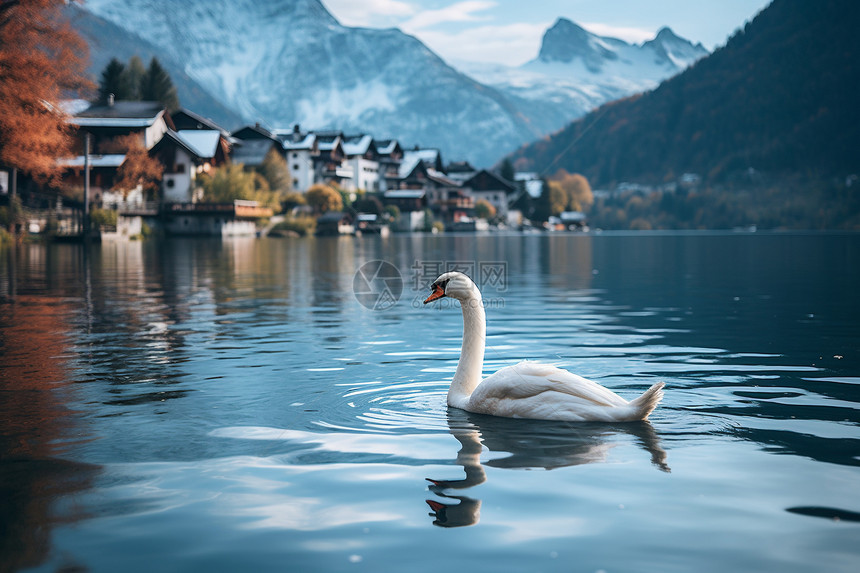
(567, 41)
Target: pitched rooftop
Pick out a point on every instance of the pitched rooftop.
(120, 114)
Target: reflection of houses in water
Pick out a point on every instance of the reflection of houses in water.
(214, 219)
(335, 223)
(531, 444)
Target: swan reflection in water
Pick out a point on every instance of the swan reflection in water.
(530, 444)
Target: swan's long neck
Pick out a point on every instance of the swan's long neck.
(469, 369)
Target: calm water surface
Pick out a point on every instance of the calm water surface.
(199, 405)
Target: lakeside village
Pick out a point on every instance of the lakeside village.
(337, 183)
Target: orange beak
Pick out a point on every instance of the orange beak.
(438, 292)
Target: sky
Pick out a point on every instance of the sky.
(510, 31)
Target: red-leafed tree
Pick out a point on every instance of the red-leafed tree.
(42, 60)
(138, 169)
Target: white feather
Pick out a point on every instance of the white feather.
(528, 389)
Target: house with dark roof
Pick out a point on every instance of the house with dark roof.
(252, 152)
(445, 197)
(148, 119)
(329, 164)
(252, 143)
(256, 131)
(185, 119)
(460, 171)
(390, 154)
(102, 124)
(431, 157)
(492, 188)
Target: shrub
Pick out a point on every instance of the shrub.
(484, 210)
(302, 225)
(324, 198)
(103, 217)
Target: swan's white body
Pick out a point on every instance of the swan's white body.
(528, 389)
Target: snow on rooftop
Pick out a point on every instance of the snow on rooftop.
(111, 121)
(424, 154)
(407, 165)
(388, 148)
(306, 142)
(405, 194)
(203, 142)
(111, 160)
(534, 187)
(74, 106)
(357, 145)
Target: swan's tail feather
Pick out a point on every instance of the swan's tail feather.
(645, 404)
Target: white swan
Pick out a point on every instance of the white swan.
(528, 389)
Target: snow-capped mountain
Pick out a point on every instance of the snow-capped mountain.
(286, 62)
(283, 62)
(578, 70)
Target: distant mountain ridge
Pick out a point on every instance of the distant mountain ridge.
(577, 70)
(779, 98)
(284, 62)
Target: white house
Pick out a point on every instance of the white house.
(300, 150)
(185, 154)
(361, 154)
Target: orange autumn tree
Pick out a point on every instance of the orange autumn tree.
(574, 190)
(42, 60)
(139, 168)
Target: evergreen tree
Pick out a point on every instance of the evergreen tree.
(542, 206)
(135, 72)
(506, 171)
(157, 86)
(114, 81)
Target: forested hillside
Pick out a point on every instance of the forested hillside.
(780, 99)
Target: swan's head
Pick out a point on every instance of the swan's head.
(455, 285)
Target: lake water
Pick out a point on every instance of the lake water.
(198, 405)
